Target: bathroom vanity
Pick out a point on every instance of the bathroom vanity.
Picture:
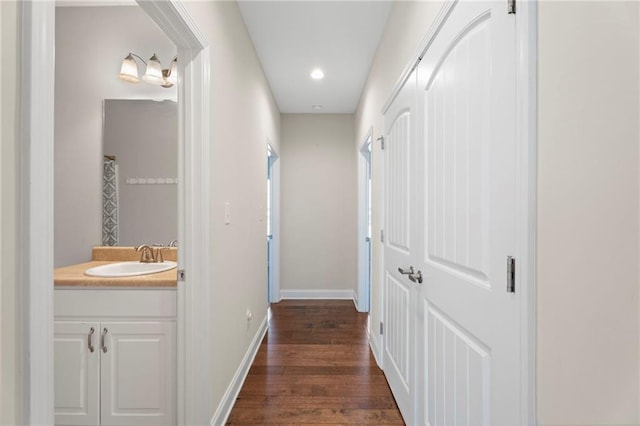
(114, 346)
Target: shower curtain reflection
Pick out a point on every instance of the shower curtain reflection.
(110, 201)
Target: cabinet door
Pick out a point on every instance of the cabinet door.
(77, 370)
(137, 373)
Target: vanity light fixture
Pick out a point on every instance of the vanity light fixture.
(154, 74)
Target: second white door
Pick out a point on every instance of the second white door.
(451, 342)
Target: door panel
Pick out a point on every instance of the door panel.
(138, 385)
(458, 147)
(461, 366)
(76, 381)
(468, 363)
(398, 183)
(400, 293)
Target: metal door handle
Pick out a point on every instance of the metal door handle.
(417, 277)
(406, 271)
(102, 340)
(90, 339)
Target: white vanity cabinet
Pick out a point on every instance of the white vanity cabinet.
(114, 356)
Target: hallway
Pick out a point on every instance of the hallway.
(315, 367)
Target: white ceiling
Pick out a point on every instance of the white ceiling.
(294, 37)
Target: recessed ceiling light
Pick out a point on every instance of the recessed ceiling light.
(316, 107)
(317, 74)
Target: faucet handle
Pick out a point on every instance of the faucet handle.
(159, 247)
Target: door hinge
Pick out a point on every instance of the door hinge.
(511, 274)
(181, 274)
(382, 236)
(511, 6)
(381, 139)
(381, 328)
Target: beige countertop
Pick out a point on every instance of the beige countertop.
(73, 275)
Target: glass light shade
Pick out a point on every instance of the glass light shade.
(153, 75)
(129, 70)
(172, 77)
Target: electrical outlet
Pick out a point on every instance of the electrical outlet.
(249, 315)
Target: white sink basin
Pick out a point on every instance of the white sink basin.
(129, 269)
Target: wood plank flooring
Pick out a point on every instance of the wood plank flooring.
(315, 367)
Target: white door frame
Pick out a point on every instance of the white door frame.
(526, 133)
(36, 209)
(274, 267)
(364, 263)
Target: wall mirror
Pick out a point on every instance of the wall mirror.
(139, 188)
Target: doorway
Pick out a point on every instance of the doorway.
(36, 238)
(364, 224)
(273, 225)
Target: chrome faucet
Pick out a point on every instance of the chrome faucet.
(146, 253)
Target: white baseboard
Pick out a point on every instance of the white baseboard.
(374, 343)
(228, 400)
(318, 294)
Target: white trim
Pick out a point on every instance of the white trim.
(36, 210)
(229, 398)
(526, 131)
(193, 337)
(433, 31)
(374, 344)
(363, 293)
(318, 294)
(274, 269)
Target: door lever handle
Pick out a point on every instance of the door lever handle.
(406, 271)
(417, 277)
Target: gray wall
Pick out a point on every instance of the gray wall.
(11, 343)
(142, 134)
(588, 217)
(244, 115)
(90, 45)
(318, 202)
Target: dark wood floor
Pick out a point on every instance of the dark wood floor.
(315, 367)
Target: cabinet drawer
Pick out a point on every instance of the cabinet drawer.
(114, 303)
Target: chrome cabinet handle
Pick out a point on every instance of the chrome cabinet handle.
(102, 340)
(90, 339)
(417, 277)
(406, 271)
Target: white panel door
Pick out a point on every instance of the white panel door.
(137, 364)
(468, 360)
(399, 241)
(77, 373)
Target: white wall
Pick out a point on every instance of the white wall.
(90, 45)
(10, 372)
(407, 25)
(318, 203)
(588, 216)
(243, 116)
